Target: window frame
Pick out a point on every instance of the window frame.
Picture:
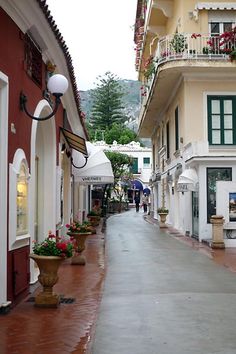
(146, 165)
(213, 192)
(222, 114)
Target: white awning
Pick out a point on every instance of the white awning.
(215, 6)
(188, 180)
(98, 169)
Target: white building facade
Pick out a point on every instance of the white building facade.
(142, 163)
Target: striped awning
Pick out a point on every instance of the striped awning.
(215, 6)
(74, 141)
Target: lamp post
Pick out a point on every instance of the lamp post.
(57, 85)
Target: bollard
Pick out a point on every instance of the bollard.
(217, 222)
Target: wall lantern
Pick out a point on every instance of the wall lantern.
(57, 85)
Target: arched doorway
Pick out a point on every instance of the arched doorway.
(45, 180)
(42, 201)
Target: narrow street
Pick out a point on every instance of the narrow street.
(161, 296)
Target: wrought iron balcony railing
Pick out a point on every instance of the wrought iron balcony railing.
(189, 47)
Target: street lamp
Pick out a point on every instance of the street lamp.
(57, 85)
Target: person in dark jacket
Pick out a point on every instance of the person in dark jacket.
(137, 200)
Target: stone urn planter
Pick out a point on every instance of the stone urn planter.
(80, 238)
(48, 277)
(49, 255)
(94, 219)
(162, 212)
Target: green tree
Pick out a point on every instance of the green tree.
(121, 164)
(107, 106)
(120, 133)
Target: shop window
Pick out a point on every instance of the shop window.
(22, 202)
(18, 201)
(214, 175)
(222, 120)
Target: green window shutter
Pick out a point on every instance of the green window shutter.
(135, 165)
(146, 161)
(221, 120)
(177, 128)
(167, 140)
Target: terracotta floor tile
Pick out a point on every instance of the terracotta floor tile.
(67, 329)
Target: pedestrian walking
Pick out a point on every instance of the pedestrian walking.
(137, 201)
(145, 201)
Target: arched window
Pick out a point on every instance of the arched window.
(18, 201)
(22, 201)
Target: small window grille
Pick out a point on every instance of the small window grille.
(33, 59)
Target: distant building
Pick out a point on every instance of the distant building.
(142, 164)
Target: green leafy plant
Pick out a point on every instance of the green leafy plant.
(54, 246)
(178, 43)
(162, 210)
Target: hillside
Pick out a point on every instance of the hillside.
(131, 99)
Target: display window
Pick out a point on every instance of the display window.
(22, 202)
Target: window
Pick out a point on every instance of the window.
(217, 28)
(33, 58)
(221, 120)
(146, 162)
(135, 165)
(162, 136)
(167, 140)
(177, 128)
(213, 175)
(22, 202)
(18, 201)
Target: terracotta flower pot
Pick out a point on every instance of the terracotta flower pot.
(48, 268)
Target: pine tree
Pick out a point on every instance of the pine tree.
(107, 107)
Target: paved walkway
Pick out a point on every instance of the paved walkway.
(162, 296)
(67, 329)
(162, 289)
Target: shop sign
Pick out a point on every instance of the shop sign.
(183, 187)
(91, 179)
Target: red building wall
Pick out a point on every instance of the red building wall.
(12, 64)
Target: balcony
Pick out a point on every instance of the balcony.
(178, 55)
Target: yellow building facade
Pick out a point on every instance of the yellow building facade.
(185, 59)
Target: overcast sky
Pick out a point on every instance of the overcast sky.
(99, 35)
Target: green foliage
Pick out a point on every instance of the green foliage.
(162, 210)
(120, 163)
(178, 43)
(107, 106)
(119, 133)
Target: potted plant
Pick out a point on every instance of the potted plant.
(49, 254)
(178, 43)
(79, 232)
(162, 212)
(94, 216)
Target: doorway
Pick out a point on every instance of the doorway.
(195, 215)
